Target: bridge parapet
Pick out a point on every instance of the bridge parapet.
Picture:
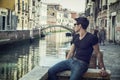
(49, 26)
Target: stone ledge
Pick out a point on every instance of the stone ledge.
(38, 73)
(2, 40)
(91, 73)
(41, 73)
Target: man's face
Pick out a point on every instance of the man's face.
(77, 27)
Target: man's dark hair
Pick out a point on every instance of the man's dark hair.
(83, 21)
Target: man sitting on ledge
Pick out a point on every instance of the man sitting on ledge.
(80, 53)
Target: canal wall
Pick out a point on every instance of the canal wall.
(36, 33)
(7, 37)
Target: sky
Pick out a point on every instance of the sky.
(73, 5)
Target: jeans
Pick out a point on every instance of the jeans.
(78, 68)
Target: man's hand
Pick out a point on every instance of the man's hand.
(103, 73)
(71, 52)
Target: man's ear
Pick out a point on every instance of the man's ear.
(80, 25)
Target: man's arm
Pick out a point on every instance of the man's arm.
(100, 59)
(71, 52)
(99, 56)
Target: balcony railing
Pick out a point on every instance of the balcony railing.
(93, 0)
(104, 7)
(115, 6)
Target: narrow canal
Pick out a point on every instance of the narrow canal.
(16, 60)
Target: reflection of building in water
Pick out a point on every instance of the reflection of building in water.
(8, 71)
(42, 53)
(17, 60)
(8, 67)
(50, 50)
(57, 39)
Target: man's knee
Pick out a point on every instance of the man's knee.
(50, 71)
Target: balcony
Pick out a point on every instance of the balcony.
(115, 6)
(104, 7)
(93, 0)
(87, 12)
(99, 9)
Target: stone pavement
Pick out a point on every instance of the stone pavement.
(112, 59)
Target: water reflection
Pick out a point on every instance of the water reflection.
(15, 59)
(52, 51)
(18, 59)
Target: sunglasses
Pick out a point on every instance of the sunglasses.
(76, 24)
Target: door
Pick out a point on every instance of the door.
(1, 21)
(113, 27)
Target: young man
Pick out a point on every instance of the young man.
(80, 53)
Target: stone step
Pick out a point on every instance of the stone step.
(91, 73)
(38, 73)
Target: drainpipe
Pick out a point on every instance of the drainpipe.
(108, 22)
(9, 19)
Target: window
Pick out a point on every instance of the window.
(26, 7)
(22, 6)
(33, 2)
(18, 6)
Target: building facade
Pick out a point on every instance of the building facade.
(59, 16)
(21, 10)
(8, 20)
(3, 18)
(114, 20)
(105, 13)
(42, 14)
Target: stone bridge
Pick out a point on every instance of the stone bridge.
(65, 27)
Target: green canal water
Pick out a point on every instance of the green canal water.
(16, 60)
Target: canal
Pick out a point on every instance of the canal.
(16, 60)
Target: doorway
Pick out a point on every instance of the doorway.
(113, 27)
(3, 23)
